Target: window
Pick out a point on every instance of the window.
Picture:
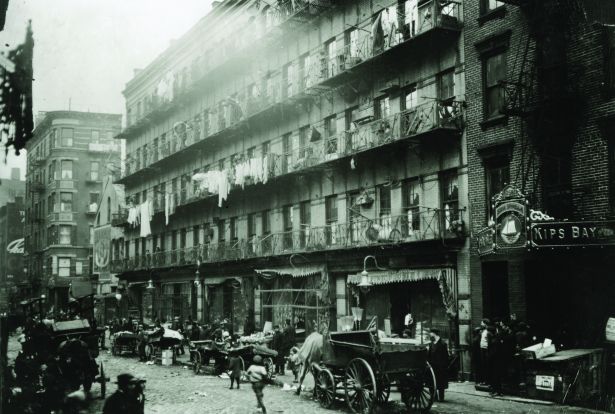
(52, 171)
(50, 202)
(494, 71)
(384, 211)
(288, 76)
(221, 231)
(251, 226)
(287, 151)
(302, 73)
(331, 56)
(303, 141)
(64, 266)
(497, 175)
(489, 5)
(265, 148)
(91, 234)
(450, 198)
(266, 221)
(411, 193)
(251, 152)
(65, 235)
(66, 202)
(67, 169)
(95, 136)
(331, 219)
(108, 210)
(94, 170)
(330, 134)
(233, 228)
(446, 85)
(352, 44)
(410, 98)
(67, 137)
(305, 219)
(287, 221)
(382, 108)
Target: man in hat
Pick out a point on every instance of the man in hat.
(438, 359)
(128, 399)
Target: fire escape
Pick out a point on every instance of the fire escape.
(543, 93)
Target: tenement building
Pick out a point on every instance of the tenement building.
(300, 161)
(541, 162)
(68, 158)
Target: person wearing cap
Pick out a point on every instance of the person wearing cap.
(257, 375)
(128, 399)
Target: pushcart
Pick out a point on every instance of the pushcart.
(247, 352)
(124, 341)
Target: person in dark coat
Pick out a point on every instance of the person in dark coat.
(278, 344)
(128, 399)
(438, 358)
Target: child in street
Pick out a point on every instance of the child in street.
(257, 375)
(293, 363)
(234, 365)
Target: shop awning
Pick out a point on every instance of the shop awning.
(384, 277)
(295, 271)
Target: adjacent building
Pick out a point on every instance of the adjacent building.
(68, 159)
(540, 162)
(274, 153)
(13, 284)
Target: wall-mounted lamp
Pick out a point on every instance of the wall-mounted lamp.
(118, 296)
(365, 285)
(150, 285)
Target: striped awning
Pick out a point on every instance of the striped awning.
(384, 277)
(295, 271)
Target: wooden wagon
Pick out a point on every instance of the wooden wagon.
(360, 367)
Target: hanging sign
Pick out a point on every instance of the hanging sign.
(572, 233)
(510, 219)
(486, 241)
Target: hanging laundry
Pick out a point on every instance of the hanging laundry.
(146, 217)
(352, 164)
(167, 209)
(133, 216)
(377, 35)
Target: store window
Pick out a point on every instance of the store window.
(497, 175)
(494, 72)
(331, 219)
(411, 193)
(66, 202)
(67, 137)
(450, 198)
(64, 266)
(446, 85)
(65, 235)
(67, 169)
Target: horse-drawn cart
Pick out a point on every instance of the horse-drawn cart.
(247, 352)
(361, 367)
(124, 341)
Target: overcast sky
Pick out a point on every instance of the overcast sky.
(85, 50)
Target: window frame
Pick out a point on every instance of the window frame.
(487, 87)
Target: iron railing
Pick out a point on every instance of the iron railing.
(415, 225)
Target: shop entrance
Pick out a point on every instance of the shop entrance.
(496, 303)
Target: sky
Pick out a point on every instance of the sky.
(86, 50)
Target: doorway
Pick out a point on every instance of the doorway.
(496, 303)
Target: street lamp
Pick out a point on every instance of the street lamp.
(118, 296)
(150, 284)
(365, 285)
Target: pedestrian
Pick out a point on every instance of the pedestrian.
(438, 359)
(497, 359)
(485, 340)
(257, 375)
(278, 344)
(128, 399)
(293, 363)
(234, 365)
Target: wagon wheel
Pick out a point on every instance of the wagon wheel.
(103, 382)
(197, 364)
(360, 386)
(325, 388)
(422, 390)
(270, 367)
(384, 388)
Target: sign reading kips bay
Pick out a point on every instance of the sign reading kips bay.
(572, 233)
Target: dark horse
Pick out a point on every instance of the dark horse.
(76, 364)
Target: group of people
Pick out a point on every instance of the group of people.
(496, 354)
(284, 339)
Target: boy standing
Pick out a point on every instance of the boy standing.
(257, 375)
(235, 368)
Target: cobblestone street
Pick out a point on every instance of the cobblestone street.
(175, 390)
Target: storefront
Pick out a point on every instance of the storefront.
(427, 293)
(299, 294)
(229, 298)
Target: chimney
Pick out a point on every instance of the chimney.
(15, 174)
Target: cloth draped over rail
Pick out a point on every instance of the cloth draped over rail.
(146, 211)
(214, 182)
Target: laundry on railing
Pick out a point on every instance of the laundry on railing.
(256, 169)
(146, 211)
(170, 204)
(214, 182)
(133, 216)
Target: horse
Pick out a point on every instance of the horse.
(311, 352)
